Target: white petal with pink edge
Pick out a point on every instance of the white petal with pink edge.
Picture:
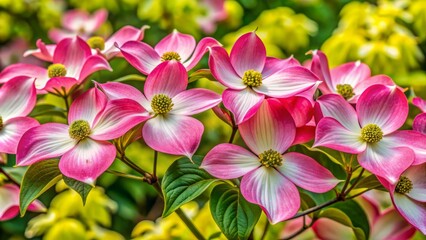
(242, 103)
(306, 173)
(413, 211)
(200, 50)
(417, 176)
(420, 103)
(272, 127)
(9, 207)
(43, 142)
(23, 69)
(12, 131)
(116, 90)
(183, 44)
(228, 161)
(319, 66)
(194, 101)
(222, 69)
(273, 65)
(72, 53)
(248, 53)
(141, 56)
(173, 134)
(120, 37)
(87, 160)
(419, 123)
(391, 226)
(87, 106)
(17, 98)
(411, 139)
(276, 195)
(349, 73)
(93, 64)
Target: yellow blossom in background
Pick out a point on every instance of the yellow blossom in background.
(418, 11)
(281, 30)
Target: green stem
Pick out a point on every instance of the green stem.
(316, 208)
(155, 164)
(234, 132)
(130, 77)
(67, 105)
(125, 175)
(265, 230)
(348, 179)
(189, 224)
(133, 166)
(358, 194)
(356, 181)
(301, 230)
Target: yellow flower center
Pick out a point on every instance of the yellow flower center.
(96, 42)
(167, 56)
(270, 158)
(79, 130)
(1, 123)
(371, 133)
(161, 104)
(345, 90)
(404, 185)
(56, 70)
(252, 78)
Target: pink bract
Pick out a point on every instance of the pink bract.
(272, 185)
(371, 130)
(171, 131)
(83, 145)
(175, 46)
(9, 207)
(17, 100)
(355, 74)
(250, 76)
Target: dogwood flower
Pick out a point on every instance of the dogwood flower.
(17, 100)
(9, 198)
(420, 103)
(371, 130)
(269, 176)
(72, 63)
(78, 23)
(409, 195)
(349, 80)
(175, 46)
(250, 76)
(169, 106)
(82, 143)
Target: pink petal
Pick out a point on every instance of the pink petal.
(319, 66)
(93, 64)
(273, 65)
(411, 139)
(9, 207)
(87, 106)
(326, 228)
(332, 134)
(75, 19)
(95, 21)
(307, 173)
(391, 226)
(385, 106)
(420, 103)
(248, 53)
(17, 97)
(46, 141)
(22, 69)
(349, 73)
(242, 103)
(57, 35)
(304, 134)
(118, 117)
(363, 85)
(419, 123)
(300, 108)
(141, 56)
(194, 101)
(61, 85)
(116, 90)
(228, 161)
(222, 69)
(287, 82)
(173, 134)
(386, 160)
(200, 50)
(413, 211)
(12, 131)
(72, 53)
(169, 78)
(183, 44)
(123, 35)
(417, 175)
(270, 128)
(87, 160)
(44, 52)
(335, 106)
(276, 195)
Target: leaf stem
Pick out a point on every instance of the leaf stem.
(125, 175)
(300, 231)
(234, 132)
(189, 224)
(265, 230)
(155, 164)
(67, 105)
(356, 181)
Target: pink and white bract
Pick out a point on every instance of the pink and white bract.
(83, 145)
(269, 176)
(250, 76)
(169, 105)
(9, 207)
(17, 100)
(371, 130)
(175, 46)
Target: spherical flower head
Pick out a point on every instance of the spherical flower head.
(346, 90)
(79, 130)
(56, 70)
(96, 42)
(161, 104)
(371, 133)
(270, 158)
(404, 185)
(167, 56)
(1, 123)
(252, 78)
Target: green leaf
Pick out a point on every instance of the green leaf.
(38, 178)
(80, 187)
(350, 214)
(233, 214)
(201, 73)
(182, 182)
(370, 182)
(47, 109)
(329, 153)
(131, 77)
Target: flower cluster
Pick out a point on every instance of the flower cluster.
(272, 102)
